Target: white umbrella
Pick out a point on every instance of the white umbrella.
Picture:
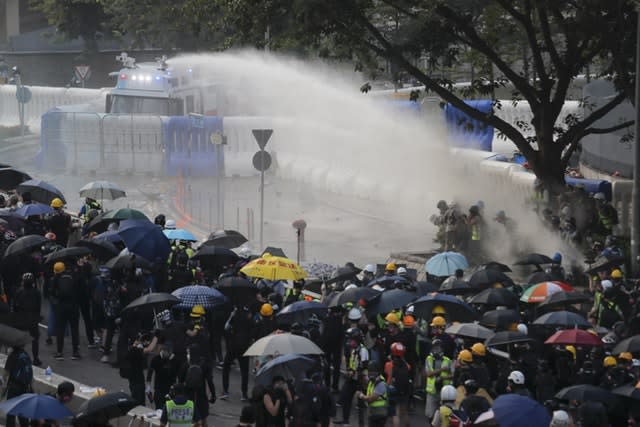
(279, 344)
(101, 190)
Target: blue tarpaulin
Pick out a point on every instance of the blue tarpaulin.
(467, 132)
(591, 185)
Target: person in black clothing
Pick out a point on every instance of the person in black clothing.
(332, 339)
(35, 225)
(64, 295)
(28, 302)
(165, 369)
(19, 373)
(275, 401)
(135, 363)
(196, 374)
(313, 405)
(266, 324)
(59, 222)
(84, 272)
(473, 405)
(239, 329)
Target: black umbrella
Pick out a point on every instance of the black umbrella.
(41, 191)
(493, 265)
(424, 288)
(72, 252)
(587, 392)
(389, 300)
(603, 264)
(495, 296)
(102, 249)
(388, 281)
(344, 273)
(534, 259)
(538, 277)
(15, 222)
(288, 366)
(274, 251)
(239, 290)
(226, 239)
(25, 244)
(313, 285)
(21, 321)
(631, 344)
(301, 312)
(352, 295)
(213, 257)
(101, 409)
(470, 330)
(155, 300)
(564, 298)
(506, 338)
(456, 287)
(500, 319)
(455, 308)
(563, 318)
(629, 390)
(10, 178)
(487, 278)
(124, 261)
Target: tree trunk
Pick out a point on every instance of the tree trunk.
(549, 169)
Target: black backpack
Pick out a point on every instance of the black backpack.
(193, 377)
(401, 379)
(22, 375)
(66, 287)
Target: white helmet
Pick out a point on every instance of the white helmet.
(370, 268)
(401, 271)
(599, 196)
(516, 377)
(170, 224)
(606, 284)
(355, 314)
(350, 286)
(244, 252)
(448, 394)
(522, 328)
(560, 419)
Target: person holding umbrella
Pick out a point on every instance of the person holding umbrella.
(27, 301)
(18, 377)
(59, 222)
(89, 205)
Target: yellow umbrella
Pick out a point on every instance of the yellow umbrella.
(274, 268)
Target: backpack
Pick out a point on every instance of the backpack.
(193, 377)
(66, 287)
(609, 315)
(458, 418)
(401, 379)
(23, 372)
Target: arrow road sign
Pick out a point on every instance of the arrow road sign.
(262, 136)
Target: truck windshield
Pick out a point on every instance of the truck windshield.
(140, 105)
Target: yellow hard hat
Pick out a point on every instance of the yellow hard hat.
(625, 355)
(393, 318)
(99, 392)
(616, 274)
(197, 311)
(609, 361)
(266, 310)
(438, 309)
(479, 349)
(58, 267)
(438, 321)
(465, 356)
(57, 203)
(571, 349)
(390, 267)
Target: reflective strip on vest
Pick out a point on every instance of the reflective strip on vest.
(381, 401)
(180, 415)
(431, 381)
(475, 232)
(354, 358)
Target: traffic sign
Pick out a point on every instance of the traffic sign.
(262, 160)
(262, 136)
(23, 94)
(216, 138)
(82, 72)
(197, 120)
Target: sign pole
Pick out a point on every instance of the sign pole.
(261, 202)
(262, 137)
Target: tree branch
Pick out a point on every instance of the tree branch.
(548, 39)
(601, 131)
(400, 8)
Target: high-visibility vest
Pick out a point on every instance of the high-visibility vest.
(354, 358)
(475, 232)
(431, 381)
(180, 415)
(378, 406)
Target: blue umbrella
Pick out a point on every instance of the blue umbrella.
(456, 309)
(301, 312)
(514, 410)
(180, 234)
(34, 209)
(198, 295)
(446, 264)
(109, 236)
(144, 238)
(289, 366)
(35, 406)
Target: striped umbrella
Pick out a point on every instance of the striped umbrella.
(540, 291)
(198, 295)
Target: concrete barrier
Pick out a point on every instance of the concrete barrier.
(138, 416)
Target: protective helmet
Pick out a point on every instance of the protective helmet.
(355, 314)
(448, 394)
(58, 267)
(438, 321)
(390, 267)
(609, 361)
(170, 224)
(616, 274)
(408, 321)
(522, 328)
(438, 309)
(479, 349)
(465, 356)
(392, 318)
(474, 210)
(401, 271)
(398, 349)
(50, 236)
(571, 349)
(164, 317)
(516, 377)
(354, 334)
(10, 235)
(442, 204)
(606, 284)
(560, 419)
(501, 215)
(557, 258)
(625, 355)
(160, 220)
(471, 386)
(57, 203)
(266, 310)
(370, 268)
(197, 311)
